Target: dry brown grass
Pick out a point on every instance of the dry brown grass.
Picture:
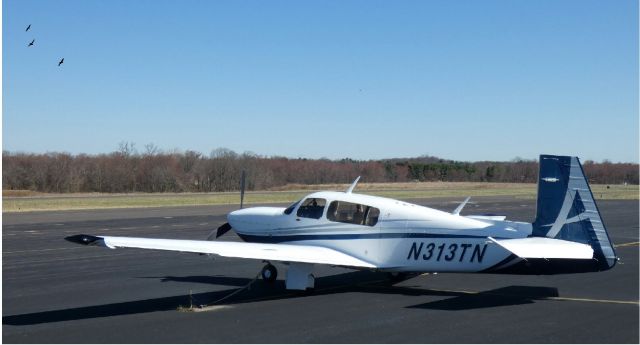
(22, 201)
(8, 193)
(402, 186)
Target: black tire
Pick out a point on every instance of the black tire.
(396, 277)
(269, 273)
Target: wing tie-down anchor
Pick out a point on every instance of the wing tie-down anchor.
(299, 277)
(203, 306)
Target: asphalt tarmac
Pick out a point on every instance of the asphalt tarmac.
(56, 292)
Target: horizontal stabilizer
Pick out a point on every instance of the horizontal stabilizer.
(545, 248)
(487, 217)
(259, 251)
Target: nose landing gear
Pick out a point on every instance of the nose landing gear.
(269, 273)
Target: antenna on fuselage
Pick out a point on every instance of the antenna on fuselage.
(456, 212)
(353, 185)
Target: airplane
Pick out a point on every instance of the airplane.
(366, 232)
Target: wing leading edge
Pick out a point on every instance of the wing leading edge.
(258, 251)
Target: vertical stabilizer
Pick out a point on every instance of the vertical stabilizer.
(567, 210)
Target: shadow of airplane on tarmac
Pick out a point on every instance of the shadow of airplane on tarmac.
(359, 281)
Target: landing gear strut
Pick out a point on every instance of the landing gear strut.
(269, 273)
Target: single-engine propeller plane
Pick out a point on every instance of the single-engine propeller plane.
(374, 233)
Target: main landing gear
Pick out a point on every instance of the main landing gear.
(269, 273)
(299, 275)
(396, 277)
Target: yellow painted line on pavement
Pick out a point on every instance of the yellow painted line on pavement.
(592, 300)
(540, 298)
(626, 244)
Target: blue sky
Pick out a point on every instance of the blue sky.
(464, 80)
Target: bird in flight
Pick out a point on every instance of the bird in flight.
(61, 61)
(28, 27)
(30, 44)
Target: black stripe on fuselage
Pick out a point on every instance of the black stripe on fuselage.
(503, 262)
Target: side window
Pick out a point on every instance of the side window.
(372, 216)
(346, 212)
(312, 208)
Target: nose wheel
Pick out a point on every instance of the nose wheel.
(269, 273)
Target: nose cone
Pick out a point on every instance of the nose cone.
(237, 216)
(254, 218)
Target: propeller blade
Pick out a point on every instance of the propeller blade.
(243, 177)
(221, 231)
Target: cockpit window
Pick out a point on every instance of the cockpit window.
(289, 209)
(347, 212)
(312, 208)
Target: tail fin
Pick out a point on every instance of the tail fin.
(566, 209)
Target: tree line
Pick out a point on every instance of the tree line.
(127, 170)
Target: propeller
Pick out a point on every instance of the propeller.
(224, 228)
(243, 177)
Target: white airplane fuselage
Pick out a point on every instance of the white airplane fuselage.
(367, 232)
(404, 237)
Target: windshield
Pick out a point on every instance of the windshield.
(290, 208)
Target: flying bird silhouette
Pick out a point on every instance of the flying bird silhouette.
(30, 44)
(61, 61)
(28, 27)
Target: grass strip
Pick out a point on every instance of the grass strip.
(425, 190)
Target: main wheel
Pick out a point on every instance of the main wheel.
(396, 277)
(269, 273)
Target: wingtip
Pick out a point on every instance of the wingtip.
(83, 239)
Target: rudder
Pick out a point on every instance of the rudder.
(567, 210)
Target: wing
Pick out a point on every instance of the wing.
(545, 248)
(259, 251)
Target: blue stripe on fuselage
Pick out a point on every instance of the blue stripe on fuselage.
(291, 238)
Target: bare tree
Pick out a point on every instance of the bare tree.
(124, 170)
